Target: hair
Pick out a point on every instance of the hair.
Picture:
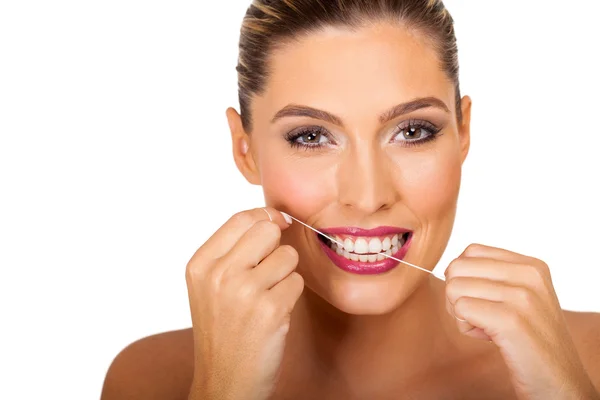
(271, 24)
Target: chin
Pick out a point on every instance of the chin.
(374, 295)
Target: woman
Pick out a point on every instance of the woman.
(351, 120)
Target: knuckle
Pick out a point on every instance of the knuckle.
(473, 250)
(242, 218)
(526, 297)
(270, 310)
(453, 266)
(542, 269)
(540, 279)
(244, 292)
(189, 272)
(194, 271)
(454, 263)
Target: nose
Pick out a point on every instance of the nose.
(365, 179)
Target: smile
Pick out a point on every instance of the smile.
(363, 250)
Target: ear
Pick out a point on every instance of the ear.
(464, 128)
(242, 154)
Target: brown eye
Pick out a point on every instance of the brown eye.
(415, 132)
(412, 132)
(311, 137)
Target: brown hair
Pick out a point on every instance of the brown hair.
(269, 24)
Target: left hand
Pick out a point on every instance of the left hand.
(509, 299)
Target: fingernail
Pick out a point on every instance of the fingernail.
(287, 218)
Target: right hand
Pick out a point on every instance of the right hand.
(242, 288)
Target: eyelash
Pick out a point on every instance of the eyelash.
(293, 136)
(433, 132)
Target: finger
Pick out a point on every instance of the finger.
(478, 333)
(482, 251)
(469, 287)
(255, 244)
(518, 296)
(531, 276)
(288, 291)
(223, 240)
(275, 267)
(496, 319)
(462, 325)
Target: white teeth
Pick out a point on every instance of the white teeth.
(367, 249)
(375, 245)
(360, 246)
(386, 244)
(348, 245)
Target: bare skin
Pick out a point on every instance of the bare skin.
(350, 337)
(161, 367)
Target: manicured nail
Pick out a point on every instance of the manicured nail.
(287, 218)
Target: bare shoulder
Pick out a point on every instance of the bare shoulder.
(155, 367)
(585, 330)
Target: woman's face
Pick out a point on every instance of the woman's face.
(368, 137)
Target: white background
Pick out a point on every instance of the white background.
(115, 164)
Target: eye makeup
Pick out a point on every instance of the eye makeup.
(415, 132)
(412, 132)
(310, 138)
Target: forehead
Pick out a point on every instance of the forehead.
(349, 72)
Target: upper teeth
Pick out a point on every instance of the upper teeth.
(364, 245)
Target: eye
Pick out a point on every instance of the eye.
(413, 132)
(311, 137)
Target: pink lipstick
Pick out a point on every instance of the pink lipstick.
(364, 249)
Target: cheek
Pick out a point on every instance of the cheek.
(431, 185)
(302, 189)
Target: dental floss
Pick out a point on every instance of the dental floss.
(265, 210)
(383, 254)
(393, 258)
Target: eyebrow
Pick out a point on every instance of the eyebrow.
(297, 110)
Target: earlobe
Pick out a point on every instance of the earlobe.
(464, 129)
(240, 140)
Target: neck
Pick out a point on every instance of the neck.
(372, 350)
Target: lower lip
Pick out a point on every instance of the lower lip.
(365, 268)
